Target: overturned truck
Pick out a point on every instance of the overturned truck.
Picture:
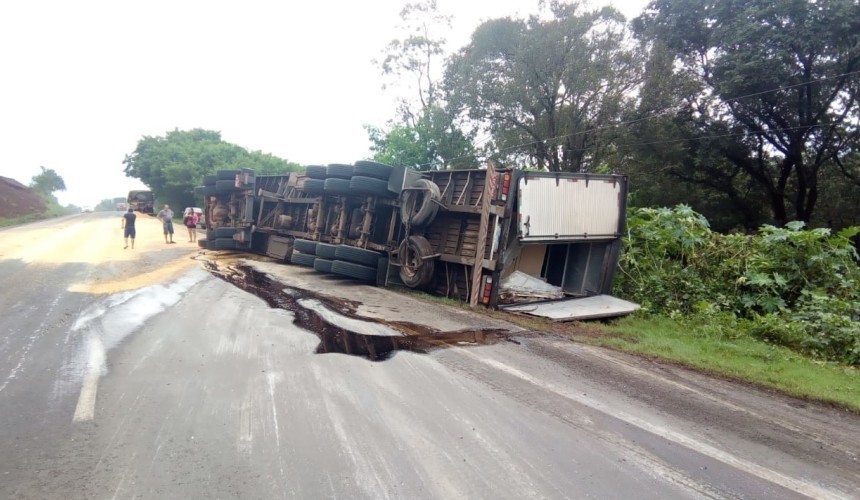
(535, 242)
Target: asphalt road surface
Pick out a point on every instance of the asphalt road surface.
(141, 374)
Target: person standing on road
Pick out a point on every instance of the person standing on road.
(128, 227)
(190, 220)
(166, 216)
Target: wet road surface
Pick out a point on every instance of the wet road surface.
(154, 376)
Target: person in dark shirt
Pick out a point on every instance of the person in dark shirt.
(128, 224)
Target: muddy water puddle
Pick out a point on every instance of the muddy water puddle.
(340, 329)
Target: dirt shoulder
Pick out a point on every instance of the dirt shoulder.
(17, 200)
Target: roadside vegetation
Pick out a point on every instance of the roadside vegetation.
(52, 209)
(698, 343)
(778, 307)
(20, 204)
(793, 287)
(174, 164)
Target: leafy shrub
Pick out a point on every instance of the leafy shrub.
(791, 286)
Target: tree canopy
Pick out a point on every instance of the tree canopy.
(433, 142)
(762, 92)
(47, 182)
(172, 165)
(426, 133)
(745, 110)
(547, 89)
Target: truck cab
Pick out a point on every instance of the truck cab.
(141, 201)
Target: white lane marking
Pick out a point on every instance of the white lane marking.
(762, 472)
(118, 487)
(273, 378)
(31, 341)
(246, 435)
(86, 408)
(107, 323)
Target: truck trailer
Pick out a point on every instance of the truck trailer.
(533, 242)
(141, 201)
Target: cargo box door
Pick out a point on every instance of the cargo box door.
(597, 306)
(567, 208)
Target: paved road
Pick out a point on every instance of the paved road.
(140, 375)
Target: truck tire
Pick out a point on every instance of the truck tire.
(419, 206)
(203, 243)
(315, 171)
(303, 259)
(338, 170)
(325, 250)
(225, 186)
(314, 186)
(416, 270)
(337, 186)
(209, 180)
(370, 186)
(372, 169)
(226, 175)
(305, 246)
(210, 191)
(322, 265)
(222, 244)
(352, 270)
(347, 253)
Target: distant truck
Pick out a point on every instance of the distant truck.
(536, 242)
(141, 201)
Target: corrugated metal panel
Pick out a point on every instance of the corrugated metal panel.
(598, 306)
(568, 208)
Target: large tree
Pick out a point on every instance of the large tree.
(548, 89)
(47, 181)
(433, 142)
(172, 165)
(425, 133)
(763, 97)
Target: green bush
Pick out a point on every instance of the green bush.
(790, 286)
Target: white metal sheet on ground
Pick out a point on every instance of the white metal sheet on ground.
(570, 208)
(598, 306)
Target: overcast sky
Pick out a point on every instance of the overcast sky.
(82, 81)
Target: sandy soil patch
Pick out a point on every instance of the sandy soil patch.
(97, 240)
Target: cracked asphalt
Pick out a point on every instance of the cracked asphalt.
(143, 375)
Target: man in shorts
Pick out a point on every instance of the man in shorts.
(128, 226)
(166, 216)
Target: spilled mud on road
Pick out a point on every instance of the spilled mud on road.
(343, 335)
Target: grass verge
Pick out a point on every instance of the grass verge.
(690, 345)
(743, 359)
(52, 209)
